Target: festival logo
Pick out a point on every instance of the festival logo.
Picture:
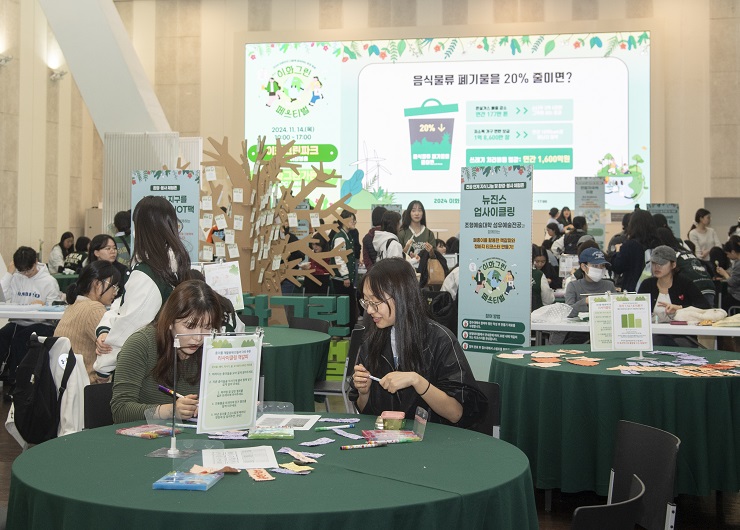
(493, 280)
(293, 88)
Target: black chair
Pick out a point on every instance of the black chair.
(311, 324)
(249, 320)
(617, 516)
(492, 421)
(649, 453)
(97, 405)
(341, 388)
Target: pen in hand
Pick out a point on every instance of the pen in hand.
(169, 391)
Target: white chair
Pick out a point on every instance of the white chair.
(341, 388)
(72, 411)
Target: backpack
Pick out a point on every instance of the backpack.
(570, 242)
(36, 400)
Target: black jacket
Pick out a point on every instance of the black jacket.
(683, 292)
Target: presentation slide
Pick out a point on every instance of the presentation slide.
(398, 119)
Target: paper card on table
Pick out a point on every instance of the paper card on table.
(229, 236)
(260, 475)
(511, 355)
(206, 203)
(233, 250)
(200, 470)
(297, 455)
(226, 280)
(293, 220)
(544, 365)
(346, 434)
(210, 173)
(315, 221)
(300, 422)
(574, 352)
(220, 249)
(318, 441)
(229, 379)
(262, 456)
(545, 360)
(148, 431)
(289, 472)
(629, 372)
(238, 195)
(238, 222)
(208, 253)
(582, 362)
(295, 467)
(524, 351)
(220, 220)
(541, 354)
(276, 262)
(229, 435)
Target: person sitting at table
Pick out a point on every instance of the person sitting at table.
(26, 282)
(670, 291)
(146, 358)
(103, 247)
(732, 247)
(417, 362)
(689, 265)
(88, 298)
(76, 260)
(592, 264)
(542, 293)
(59, 252)
(629, 260)
(161, 262)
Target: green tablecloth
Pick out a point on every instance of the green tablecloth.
(65, 280)
(564, 419)
(292, 361)
(453, 479)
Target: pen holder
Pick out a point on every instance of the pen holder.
(393, 420)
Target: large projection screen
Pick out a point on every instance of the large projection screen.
(397, 119)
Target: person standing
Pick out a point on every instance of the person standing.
(414, 234)
(702, 235)
(369, 254)
(122, 237)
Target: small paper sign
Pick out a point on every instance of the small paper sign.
(275, 263)
(315, 222)
(220, 249)
(293, 220)
(221, 221)
(255, 245)
(210, 173)
(238, 222)
(238, 195)
(207, 222)
(208, 253)
(261, 276)
(206, 203)
(253, 263)
(254, 194)
(233, 251)
(229, 236)
(254, 212)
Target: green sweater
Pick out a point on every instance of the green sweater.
(425, 236)
(134, 387)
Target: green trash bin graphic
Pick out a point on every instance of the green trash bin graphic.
(431, 135)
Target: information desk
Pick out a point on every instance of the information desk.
(292, 361)
(453, 479)
(564, 418)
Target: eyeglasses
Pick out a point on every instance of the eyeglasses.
(367, 304)
(111, 286)
(110, 249)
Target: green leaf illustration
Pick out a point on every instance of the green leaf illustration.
(643, 38)
(503, 41)
(631, 43)
(373, 50)
(525, 39)
(393, 51)
(537, 43)
(451, 49)
(515, 47)
(595, 41)
(550, 46)
(401, 47)
(352, 55)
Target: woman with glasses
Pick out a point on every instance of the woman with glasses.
(159, 263)
(407, 359)
(146, 360)
(88, 298)
(103, 247)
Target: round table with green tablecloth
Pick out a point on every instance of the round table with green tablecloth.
(454, 478)
(292, 361)
(564, 418)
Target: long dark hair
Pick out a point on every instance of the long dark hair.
(156, 233)
(642, 228)
(98, 270)
(666, 237)
(65, 251)
(195, 301)
(98, 242)
(406, 219)
(395, 278)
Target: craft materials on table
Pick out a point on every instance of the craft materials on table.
(148, 431)
(299, 422)
(242, 458)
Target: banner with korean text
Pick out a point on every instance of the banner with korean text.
(495, 259)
